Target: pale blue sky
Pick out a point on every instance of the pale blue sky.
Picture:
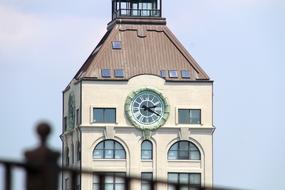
(240, 44)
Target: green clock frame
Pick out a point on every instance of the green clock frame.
(151, 127)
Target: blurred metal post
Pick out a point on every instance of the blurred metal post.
(8, 177)
(42, 172)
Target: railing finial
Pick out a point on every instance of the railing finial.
(43, 130)
(42, 171)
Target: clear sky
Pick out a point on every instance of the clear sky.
(239, 43)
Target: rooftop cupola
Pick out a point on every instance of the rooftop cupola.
(136, 8)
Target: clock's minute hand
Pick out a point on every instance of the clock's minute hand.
(150, 110)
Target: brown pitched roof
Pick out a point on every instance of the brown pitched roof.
(148, 47)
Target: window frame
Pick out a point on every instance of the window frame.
(146, 183)
(189, 111)
(104, 149)
(106, 73)
(114, 175)
(190, 152)
(119, 73)
(104, 109)
(185, 185)
(149, 150)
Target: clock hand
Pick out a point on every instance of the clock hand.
(144, 108)
(152, 107)
(150, 110)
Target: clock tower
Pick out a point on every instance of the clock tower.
(140, 105)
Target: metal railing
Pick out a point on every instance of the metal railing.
(136, 13)
(42, 171)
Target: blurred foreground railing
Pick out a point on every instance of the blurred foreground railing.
(42, 171)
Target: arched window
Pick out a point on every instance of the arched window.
(146, 150)
(184, 150)
(109, 149)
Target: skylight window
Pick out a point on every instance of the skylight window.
(185, 74)
(106, 73)
(173, 74)
(163, 73)
(117, 45)
(119, 73)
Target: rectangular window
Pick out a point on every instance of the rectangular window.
(189, 116)
(119, 73)
(106, 73)
(77, 117)
(112, 181)
(146, 185)
(163, 73)
(117, 45)
(173, 74)
(77, 182)
(187, 181)
(65, 123)
(67, 184)
(185, 74)
(104, 115)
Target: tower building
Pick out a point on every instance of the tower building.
(140, 105)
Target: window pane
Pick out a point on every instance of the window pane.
(95, 187)
(195, 179)
(100, 146)
(172, 155)
(183, 155)
(109, 186)
(145, 186)
(119, 187)
(106, 73)
(95, 178)
(195, 116)
(118, 146)
(116, 44)
(146, 145)
(183, 145)
(173, 177)
(109, 144)
(98, 115)
(146, 155)
(174, 147)
(185, 74)
(163, 73)
(109, 179)
(110, 115)
(147, 175)
(119, 73)
(109, 154)
(195, 155)
(120, 154)
(98, 154)
(173, 74)
(183, 116)
(183, 178)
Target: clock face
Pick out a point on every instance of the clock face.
(147, 109)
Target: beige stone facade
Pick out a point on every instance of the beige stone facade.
(188, 95)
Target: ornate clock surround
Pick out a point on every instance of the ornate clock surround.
(128, 109)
